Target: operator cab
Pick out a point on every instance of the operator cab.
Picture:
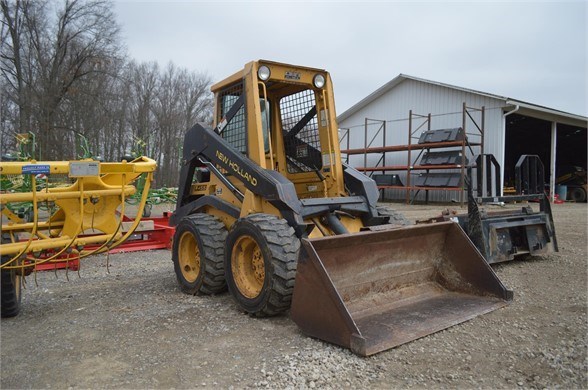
(298, 134)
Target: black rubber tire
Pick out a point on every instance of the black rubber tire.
(576, 194)
(396, 218)
(210, 235)
(10, 289)
(280, 248)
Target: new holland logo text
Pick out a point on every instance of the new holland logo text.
(236, 168)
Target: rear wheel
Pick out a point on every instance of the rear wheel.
(260, 263)
(198, 254)
(396, 218)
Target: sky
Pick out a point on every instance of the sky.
(526, 50)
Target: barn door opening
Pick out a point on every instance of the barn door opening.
(526, 135)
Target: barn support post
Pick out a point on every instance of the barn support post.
(552, 164)
(504, 146)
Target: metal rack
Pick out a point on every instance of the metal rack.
(417, 125)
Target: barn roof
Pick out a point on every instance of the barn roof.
(507, 100)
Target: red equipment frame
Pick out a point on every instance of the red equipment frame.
(160, 237)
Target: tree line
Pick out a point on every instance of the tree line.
(65, 77)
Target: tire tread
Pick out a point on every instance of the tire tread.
(213, 234)
(284, 246)
(10, 299)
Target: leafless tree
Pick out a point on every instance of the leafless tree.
(182, 100)
(64, 77)
(46, 57)
(15, 66)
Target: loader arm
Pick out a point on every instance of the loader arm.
(204, 148)
(202, 145)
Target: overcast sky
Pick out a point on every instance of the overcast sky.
(531, 51)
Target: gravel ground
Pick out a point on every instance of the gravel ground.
(133, 328)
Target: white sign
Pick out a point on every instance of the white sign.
(84, 168)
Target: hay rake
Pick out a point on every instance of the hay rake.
(83, 218)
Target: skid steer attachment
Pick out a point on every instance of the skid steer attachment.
(373, 291)
(502, 235)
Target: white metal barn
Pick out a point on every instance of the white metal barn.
(511, 128)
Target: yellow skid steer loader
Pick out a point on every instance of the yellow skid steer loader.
(267, 208)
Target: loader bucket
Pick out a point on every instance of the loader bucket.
(372, 291)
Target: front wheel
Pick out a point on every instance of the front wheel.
(260, 264)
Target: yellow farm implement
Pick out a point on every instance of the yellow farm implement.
(73, 220)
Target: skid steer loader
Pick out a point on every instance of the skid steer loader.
(267, 208)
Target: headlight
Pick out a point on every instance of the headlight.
(263, 73)
(319, 81)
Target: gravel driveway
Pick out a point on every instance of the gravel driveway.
(133, 328)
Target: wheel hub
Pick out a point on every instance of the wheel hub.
(248, 267)
(189, 257)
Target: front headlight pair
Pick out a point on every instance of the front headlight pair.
(264, 74)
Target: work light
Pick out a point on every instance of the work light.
(263, 73)
(319, 81)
